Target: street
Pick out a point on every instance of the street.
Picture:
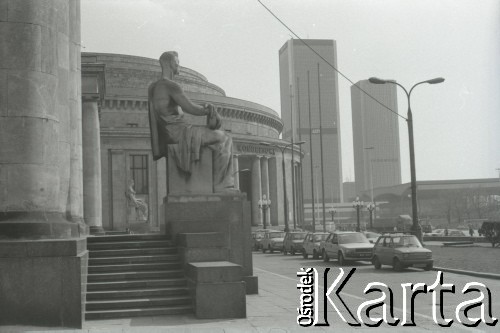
(286, 267)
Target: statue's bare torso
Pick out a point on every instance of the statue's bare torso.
(163, 102)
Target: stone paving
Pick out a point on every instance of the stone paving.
(272, 310)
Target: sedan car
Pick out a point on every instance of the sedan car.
(400, 251)
(311, 244)
(273, 241)
(293, 242)
(346, 246)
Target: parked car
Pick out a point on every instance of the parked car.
(400, 251)
(435, 233)
(372, 236)
(293, 242)
(257, 237)
(345, 246)
(273, 241)
(457, 233)
(311, 244)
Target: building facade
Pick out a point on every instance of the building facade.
(310, 113)
(375, 131)
(125, 146)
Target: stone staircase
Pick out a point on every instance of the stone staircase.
(134, 275)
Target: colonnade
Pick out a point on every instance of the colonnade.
(266, 180)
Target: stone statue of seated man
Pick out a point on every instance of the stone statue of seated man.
(171, 133)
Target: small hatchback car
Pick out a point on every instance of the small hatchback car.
(400, 251)
(272, 241)
(293, 242)
(311, 244)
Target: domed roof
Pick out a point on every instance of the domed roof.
(130, 76)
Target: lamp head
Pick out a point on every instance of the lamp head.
(376, 80)
(436, 80)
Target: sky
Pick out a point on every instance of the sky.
(235, 44)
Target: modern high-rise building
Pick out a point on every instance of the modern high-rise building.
(310, 113)
(375, 136)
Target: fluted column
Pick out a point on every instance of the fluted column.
(256, 191)
(236, 169)
(264, 169)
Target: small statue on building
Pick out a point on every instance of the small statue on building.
(171, 133)
(141, 208)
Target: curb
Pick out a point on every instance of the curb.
(471, 273)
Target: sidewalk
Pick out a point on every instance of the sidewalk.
(274, 309)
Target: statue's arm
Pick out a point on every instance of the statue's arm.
(187, 106)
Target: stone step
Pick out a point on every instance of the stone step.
(130, 252)
(136, 284)
(124, 276)
(144, 303)
(126, 238)
(136, 293)
(134, 259)
(124, 313)
(129, 245)
(136, 267)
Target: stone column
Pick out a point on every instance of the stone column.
(274, 182)
(43, 272)
(92, 93)
(118, 188)
(256, 191)
(264, 169)
(236, 169)
(39, 106)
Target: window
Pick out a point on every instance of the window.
(139, 170)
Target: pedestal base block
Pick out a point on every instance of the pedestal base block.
(43, 282)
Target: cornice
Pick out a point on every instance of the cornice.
(226, 111)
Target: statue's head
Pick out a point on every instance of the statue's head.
(170, 60)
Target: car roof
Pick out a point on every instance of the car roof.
(398, 235)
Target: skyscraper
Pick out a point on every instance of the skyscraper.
(375, 126)
(310, 113)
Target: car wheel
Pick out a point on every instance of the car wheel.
(376, 263)
(304, 253)
(315, 254)
(325, 256)
(428, 267)
(270, 249)
(341, 259)
(397, 265)
(292, 251)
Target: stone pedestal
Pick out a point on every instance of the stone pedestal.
(200, 180)
(225, 214)
(43, 282)
(217, 289)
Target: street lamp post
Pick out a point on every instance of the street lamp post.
(371, 207)
(416, 228)
(264, 204)
(285, 199)
(332, 212)
(358, 205)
